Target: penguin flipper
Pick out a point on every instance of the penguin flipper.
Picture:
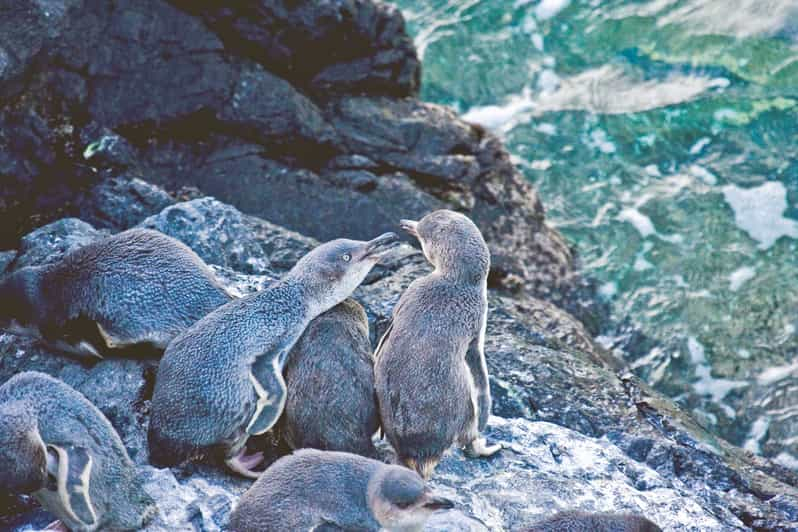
(475, 359)
(270, 391)
(381, 342)
(73, 476)
(388, 331)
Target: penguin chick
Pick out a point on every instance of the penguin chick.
(599, 522)
(221, 380)
(56, 445)
(326, 490)
(136, 287)
(430, 372)
(330, 379)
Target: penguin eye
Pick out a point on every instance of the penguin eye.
(347, 257)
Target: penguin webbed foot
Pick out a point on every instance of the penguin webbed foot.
(244, 464)
(479, 448)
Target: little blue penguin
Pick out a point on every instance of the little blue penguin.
(221, 380)
(56, 445)
(327, 490)
(430, 371)
(136, 287)
(330, 378)
(588, 522)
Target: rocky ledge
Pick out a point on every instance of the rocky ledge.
(303, 115)
(300, 112)
(576, 433)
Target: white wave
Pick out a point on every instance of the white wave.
(759, 429)
(741, 276)
(547, 9)
(777, 373)
(759, 211)
(639, 221)
(706, 384)
(604, 90)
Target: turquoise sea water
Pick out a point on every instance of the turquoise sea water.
(662, 137)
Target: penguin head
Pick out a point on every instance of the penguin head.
(333, 270)
(452, 243)
(400, 500)
(23, 455)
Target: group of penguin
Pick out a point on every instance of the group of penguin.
(294, 358)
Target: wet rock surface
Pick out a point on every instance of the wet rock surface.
(577, 433)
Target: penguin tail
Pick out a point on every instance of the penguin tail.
(420, 451)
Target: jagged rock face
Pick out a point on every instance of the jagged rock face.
(576, 434)
(302, 113)
(338, 46)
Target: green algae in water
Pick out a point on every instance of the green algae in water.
(661, 136)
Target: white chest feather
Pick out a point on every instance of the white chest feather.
(264, 398)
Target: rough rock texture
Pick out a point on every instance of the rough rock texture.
(303, 113)
(546, 468)
(300, 112)
(576, 433)
(338, 46)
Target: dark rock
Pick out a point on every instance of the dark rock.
(269, 105)
(351, 162)
(51, 242)
(25, 28)
(338, 46)
(106, 149)
(36, 183)
(268, 110)
(138, 76)
(121, 202)
(322, 206)
(223, 236)
(215, 231)
(359, 180)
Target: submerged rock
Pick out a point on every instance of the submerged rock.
(577, 434)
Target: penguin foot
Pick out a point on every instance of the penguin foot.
(57, 525)
(244, 464)
(480, 448)
(424, 467)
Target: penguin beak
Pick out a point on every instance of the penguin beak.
(409, 226)
(438, 503)
(381, 244)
